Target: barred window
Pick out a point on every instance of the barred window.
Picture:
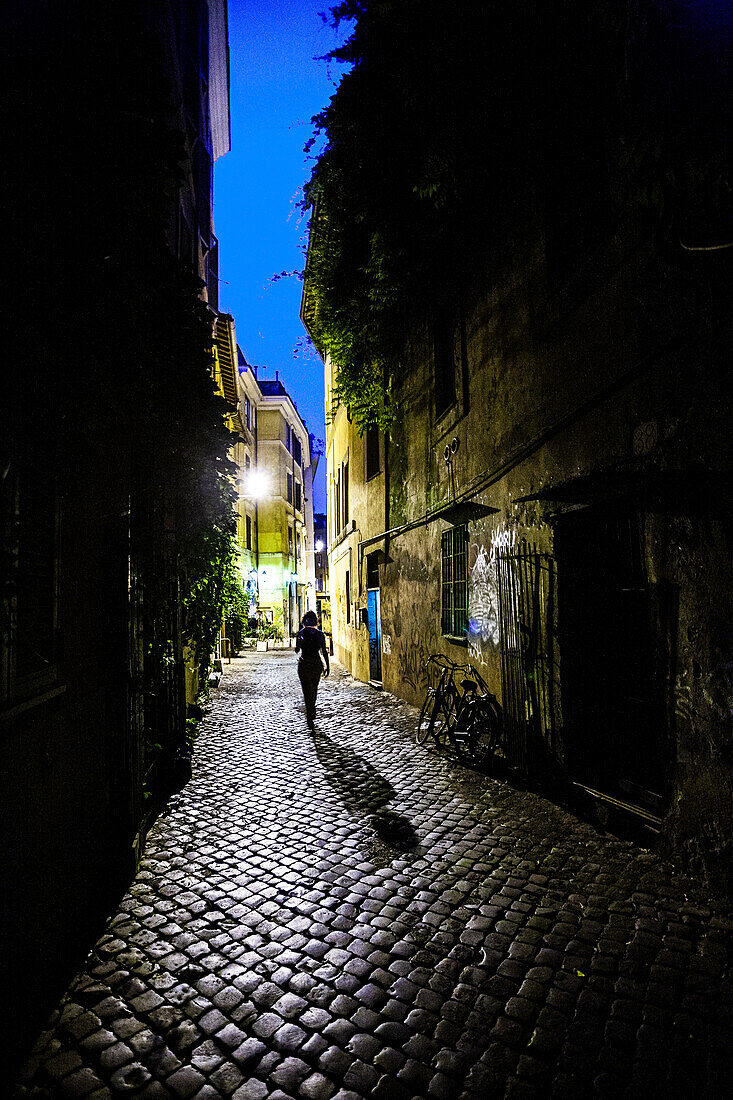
(454, 594)
(298, 491)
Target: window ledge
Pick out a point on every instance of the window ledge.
(343, 535)
(456, 639)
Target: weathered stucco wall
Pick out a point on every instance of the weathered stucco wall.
(366, 518)
(610, 405)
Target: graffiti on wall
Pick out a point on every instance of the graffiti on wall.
(483, 604)
(704, 699)
(386, 644)
(503, 541)
(483, 594)
(412, 661)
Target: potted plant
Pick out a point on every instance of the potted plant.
(267, 633)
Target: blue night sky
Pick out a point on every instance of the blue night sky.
(276, 88)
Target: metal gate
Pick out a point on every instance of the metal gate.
(526, 612)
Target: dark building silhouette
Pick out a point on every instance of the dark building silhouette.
(116, 113)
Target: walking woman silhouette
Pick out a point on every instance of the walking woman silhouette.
(310, 644)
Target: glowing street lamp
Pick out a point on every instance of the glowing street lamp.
(319, 545)
(255, 484)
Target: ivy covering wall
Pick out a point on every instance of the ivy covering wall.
(446, 128)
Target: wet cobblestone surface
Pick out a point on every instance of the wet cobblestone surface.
(340, 914)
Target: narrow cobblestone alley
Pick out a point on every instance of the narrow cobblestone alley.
(345, 915)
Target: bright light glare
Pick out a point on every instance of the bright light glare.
(255, 484)
(319, 545)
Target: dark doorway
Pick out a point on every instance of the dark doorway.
(375, 636)
(613, 630)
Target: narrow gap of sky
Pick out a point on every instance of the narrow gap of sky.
(277, 86)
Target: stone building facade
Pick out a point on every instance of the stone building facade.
(357, 507)
(562, 525)
(274, 468)
(552, 501)
(284, 507)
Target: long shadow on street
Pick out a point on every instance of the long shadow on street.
(364, 792)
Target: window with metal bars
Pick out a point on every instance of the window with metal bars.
(454, 582)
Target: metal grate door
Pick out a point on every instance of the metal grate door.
(526, 611)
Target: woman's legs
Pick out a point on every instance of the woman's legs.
(309, 678)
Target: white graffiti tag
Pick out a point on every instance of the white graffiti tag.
(503, 539)
(483, 603)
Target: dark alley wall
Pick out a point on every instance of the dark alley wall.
(595, 432)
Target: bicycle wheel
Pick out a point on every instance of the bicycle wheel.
(426, 721)
(444, 717)
(485, 741)
(461, 730)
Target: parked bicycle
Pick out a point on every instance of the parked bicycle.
(441, 701)
(459, 711)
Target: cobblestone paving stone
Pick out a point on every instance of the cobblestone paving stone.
(341, 914)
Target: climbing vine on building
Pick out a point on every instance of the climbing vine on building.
(442, 133)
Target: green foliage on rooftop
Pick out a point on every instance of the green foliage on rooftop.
(446, 131)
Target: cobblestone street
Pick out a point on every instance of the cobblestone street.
(342, 914)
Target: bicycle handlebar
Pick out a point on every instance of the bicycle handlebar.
(440, 659)
(450, 667)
